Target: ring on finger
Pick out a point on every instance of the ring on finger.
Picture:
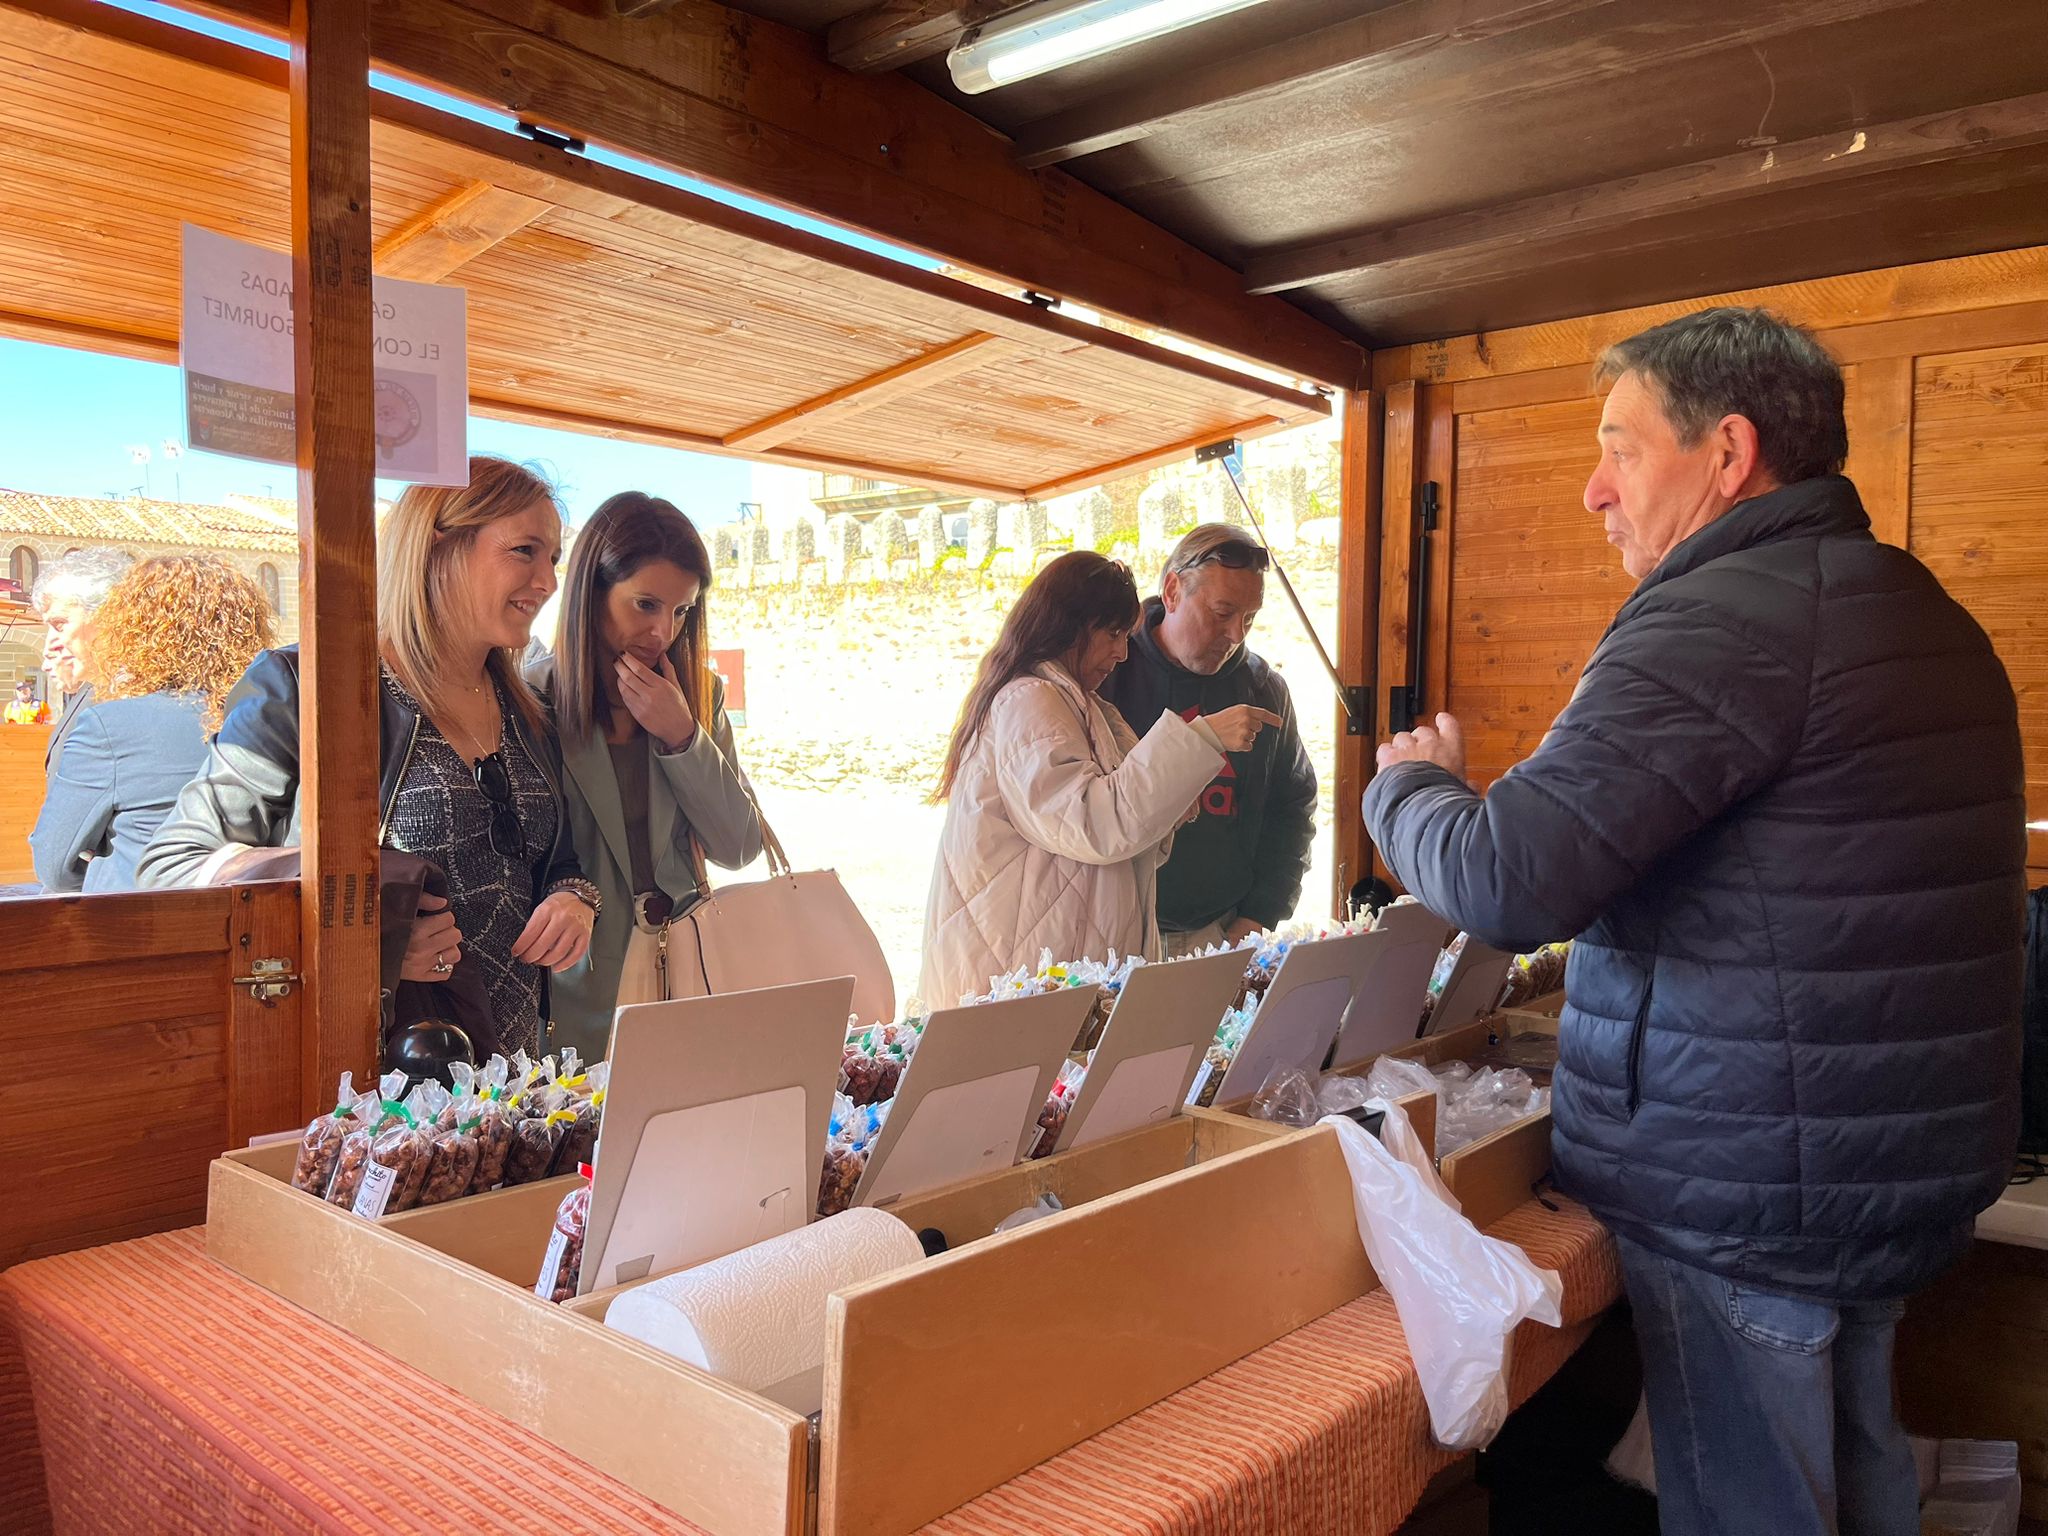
(441, 965)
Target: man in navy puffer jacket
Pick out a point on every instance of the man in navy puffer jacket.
(1784, 815)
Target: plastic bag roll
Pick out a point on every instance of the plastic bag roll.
(757, 1317)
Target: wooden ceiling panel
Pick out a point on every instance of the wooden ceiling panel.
(1338, 154)
(1996, 203)
(1297, 123)
(596, 300)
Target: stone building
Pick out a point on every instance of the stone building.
(256, 534)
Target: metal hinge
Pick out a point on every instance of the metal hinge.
(269, 980)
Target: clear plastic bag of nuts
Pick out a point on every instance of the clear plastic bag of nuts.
(561, 1268)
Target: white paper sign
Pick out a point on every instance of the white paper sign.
(236, 348)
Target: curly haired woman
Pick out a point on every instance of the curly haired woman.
(174, 635)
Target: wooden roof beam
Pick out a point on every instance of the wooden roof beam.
(1155, 458)
(970, 352)
(1421, 57)
(1435, 30)
(900, 32)
(1466, 248)
(454, 231)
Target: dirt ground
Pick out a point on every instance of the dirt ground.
(851, 696)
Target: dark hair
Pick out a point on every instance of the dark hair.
(1749, 363)
(1075, 596)
(629, 530)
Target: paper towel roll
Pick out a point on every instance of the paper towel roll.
(757, 1317)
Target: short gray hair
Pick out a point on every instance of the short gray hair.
(1201, 544)
(84, 577)
(1744, 362)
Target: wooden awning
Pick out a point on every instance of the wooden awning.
(599, 301)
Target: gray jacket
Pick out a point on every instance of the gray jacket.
(112, 783)
(699, 790)
(1783, 813)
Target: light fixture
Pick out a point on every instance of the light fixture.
(1049, 36)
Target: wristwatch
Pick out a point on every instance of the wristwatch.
(585, 891)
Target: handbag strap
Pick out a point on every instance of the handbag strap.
(778, 856)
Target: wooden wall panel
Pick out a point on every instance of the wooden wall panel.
(132, 1076)
(1533, 583)
(1980, 519)
(1878, 400)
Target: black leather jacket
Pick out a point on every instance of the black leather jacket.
(247, 791)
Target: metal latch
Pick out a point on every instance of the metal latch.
(269, 981)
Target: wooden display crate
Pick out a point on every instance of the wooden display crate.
(1185, 1245)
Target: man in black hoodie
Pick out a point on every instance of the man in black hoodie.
(1237, 867)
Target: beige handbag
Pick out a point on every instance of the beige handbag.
(787, 928)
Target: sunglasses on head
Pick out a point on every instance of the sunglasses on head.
(508, 840)
(1233, 554)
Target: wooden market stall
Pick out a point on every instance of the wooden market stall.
(599, 300)
(1482, 194)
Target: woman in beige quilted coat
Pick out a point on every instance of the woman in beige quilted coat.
(1058, 816)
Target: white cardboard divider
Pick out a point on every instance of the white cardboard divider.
(1302, 1011)
(714, 1126)
(972, 1093)
(1160, 1029)
(1388, 1009)
(1473, 987)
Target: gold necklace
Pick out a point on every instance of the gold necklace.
(482, 751)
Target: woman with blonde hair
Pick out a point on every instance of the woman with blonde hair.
(653, 778)
(469, 776)
(1058, 815)
(170, 640)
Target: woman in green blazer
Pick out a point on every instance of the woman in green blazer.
(645, 742)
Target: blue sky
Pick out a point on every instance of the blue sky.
(68, 420)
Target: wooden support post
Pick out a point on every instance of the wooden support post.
(1436, 431)
(1397, 467)
(1358, 604)
(338, 721)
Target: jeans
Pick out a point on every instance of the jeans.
(1771, 1414)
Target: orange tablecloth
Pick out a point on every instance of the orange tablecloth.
(145, 1388)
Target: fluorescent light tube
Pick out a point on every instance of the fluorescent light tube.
(1046, 37)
